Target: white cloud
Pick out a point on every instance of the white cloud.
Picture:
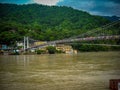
(46, 2)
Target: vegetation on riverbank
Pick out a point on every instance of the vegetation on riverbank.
(89, 48)
(98, 45)
(49, 50)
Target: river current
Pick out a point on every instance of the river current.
(83, 71)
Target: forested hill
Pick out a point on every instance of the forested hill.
(44, 22)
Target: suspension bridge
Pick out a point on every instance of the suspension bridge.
(101, 33)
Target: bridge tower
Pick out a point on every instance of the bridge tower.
(26, 43)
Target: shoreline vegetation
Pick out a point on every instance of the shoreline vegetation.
(95, 48)
(79, 48)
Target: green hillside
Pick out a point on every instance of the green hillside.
(44, 22)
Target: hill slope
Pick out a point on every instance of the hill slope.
(44, 22)
(112, 18)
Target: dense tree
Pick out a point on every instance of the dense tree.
(51, 50)
(44, 22)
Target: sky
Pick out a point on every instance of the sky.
(95, 7)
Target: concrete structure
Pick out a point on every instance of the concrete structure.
(26, 43)
(20, 44)
(65, 48)
(40, 43)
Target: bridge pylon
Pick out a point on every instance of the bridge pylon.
(26, 43)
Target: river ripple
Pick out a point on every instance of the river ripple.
(83, 71)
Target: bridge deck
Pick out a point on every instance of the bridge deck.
(76, 40)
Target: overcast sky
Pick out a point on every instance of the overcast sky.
(96, 7)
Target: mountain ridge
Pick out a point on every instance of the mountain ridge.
(112, 18)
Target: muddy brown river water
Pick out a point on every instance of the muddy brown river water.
(83, 71)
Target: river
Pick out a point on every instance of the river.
(83, 71)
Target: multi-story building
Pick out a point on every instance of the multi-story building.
(39, 43)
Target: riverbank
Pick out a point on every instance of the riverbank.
(35, 53)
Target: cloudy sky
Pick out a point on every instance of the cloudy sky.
(96, 7)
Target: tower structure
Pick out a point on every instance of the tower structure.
(26, 43)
